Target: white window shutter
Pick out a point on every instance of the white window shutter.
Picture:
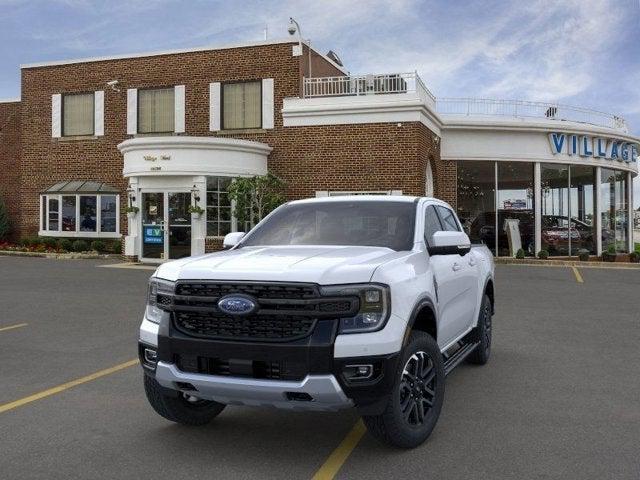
(179, 97)
(214, 107)
(132, 111)
(267, 103)
(56, 115)
(98, 111)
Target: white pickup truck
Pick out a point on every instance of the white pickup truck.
(339, 302)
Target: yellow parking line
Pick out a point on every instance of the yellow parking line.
(331, 467)
(11, 327)
(66, 386)
(576, 272)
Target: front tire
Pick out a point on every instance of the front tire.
(416, 400)
(481, 354)
(180, 408)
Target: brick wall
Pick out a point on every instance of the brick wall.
(338, 157)
(10, 160)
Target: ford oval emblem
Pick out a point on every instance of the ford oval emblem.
(237, 305)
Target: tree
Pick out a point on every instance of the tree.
(5, 224)
(255, 197)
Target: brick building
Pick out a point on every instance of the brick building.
(162, 131)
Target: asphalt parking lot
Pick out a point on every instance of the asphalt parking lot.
(560, 397)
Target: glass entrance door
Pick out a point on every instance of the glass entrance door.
(166, 225)
(179, 225)
(153, 226)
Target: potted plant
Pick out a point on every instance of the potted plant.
(610, 255)
(543, 254)
(520, 254)
(131, 211)
(195, 211)
(583, 255)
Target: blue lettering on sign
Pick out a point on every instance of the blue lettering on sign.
(624, 152)
(587, 146)
(557, 141)
(153, 235)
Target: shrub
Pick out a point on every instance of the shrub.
(583, 255)
(543, 254)
(520, 253)
(98, 246)
(48, 242)
(634, 257)
(116, 247)
(65, 244)
(5, 225)
(28, 241)
(80, 246)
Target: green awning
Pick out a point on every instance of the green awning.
(81, 186)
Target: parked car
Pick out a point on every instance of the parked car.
(333, 303)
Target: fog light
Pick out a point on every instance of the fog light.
(150, 356)
(358, 372)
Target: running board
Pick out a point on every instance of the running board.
(453, 360)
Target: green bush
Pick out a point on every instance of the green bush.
(634, 257)
(65, 244)
(611, 249)
(543, 254)
(98, 246)
(48, 242)
(80, 246)
(520, 253)
(28, 241)
(583, 255)
(5, 224)
(116, 247)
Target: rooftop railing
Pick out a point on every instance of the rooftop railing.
(526, 109)
(398, 83)
(357, 85)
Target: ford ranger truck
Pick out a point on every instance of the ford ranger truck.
(363, 302)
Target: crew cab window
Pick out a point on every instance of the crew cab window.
(431, 224)
(448, 219)
(359, 223)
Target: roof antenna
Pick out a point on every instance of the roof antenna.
(266, 32)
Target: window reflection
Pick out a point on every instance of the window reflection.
(613, 201)
(476, 201)
(582, 208)
(516, 223)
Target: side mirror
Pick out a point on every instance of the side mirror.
(232, 239)
(449, 243)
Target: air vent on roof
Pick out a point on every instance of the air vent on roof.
(334, 56)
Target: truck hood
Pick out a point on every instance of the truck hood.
(324, 265)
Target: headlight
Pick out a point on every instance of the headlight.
(159, 299)
(375, 305)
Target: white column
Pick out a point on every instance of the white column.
(598, 212)
(537, 201)
(199, 225)
(630, 212)
(132, 245)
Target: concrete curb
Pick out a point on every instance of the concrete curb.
(60, 256)
(565, 263)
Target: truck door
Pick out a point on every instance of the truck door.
(455, 277)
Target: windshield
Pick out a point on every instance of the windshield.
(362, 223)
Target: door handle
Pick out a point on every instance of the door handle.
(456, 267)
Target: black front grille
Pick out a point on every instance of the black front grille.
(285, 312)
(272, 370)
(253, 327)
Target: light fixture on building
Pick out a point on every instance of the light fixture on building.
(292, 29)
(132, 195)
(195, 193)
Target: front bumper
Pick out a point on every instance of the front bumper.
(314, 392)
(309, 375)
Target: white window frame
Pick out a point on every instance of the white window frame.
(77, 233)
(234, 220)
